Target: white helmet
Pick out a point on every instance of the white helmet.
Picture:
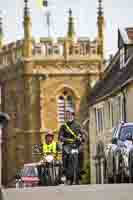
(71, 110)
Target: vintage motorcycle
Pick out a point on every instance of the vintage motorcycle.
(73, 170)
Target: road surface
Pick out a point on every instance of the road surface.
(91, 192)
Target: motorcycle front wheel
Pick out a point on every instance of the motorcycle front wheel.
(73, 169)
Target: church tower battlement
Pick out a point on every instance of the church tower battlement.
(39, 80)
(45, 48)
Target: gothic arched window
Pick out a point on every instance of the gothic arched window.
(61, 109)
(65, 100)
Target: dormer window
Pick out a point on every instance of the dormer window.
(64, 101)
(122, 57)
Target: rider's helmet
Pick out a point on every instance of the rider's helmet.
(70, 110)
(49, 136)
(49, 133)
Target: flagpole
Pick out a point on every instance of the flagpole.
(47, 14)
(45, 4)
(48, 22)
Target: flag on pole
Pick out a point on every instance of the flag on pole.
(42, 3)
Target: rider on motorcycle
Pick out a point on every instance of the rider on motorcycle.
(50, 151)
(70, 132)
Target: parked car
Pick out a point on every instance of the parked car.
(39, 174)
(119, 154)
(28, 176)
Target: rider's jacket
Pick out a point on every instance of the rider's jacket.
(69, 131)
(49, 148)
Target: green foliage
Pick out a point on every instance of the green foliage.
(86, 176)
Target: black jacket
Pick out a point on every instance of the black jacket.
(65, 134)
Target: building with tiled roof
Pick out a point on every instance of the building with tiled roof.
(110, 101)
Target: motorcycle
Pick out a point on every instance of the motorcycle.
(73, 170)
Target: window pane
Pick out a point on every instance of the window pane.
(69, 102)
(100, 119)
(126, 133)
(64, 102)
(61, 109)
(29, 171)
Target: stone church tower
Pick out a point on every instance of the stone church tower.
(39, 80)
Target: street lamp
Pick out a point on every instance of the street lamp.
(4, 118)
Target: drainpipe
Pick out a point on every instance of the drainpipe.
(124, 105)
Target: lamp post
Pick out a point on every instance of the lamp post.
(4, 118)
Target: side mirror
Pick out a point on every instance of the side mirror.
(114, 140)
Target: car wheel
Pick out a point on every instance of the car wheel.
(131, 167)
(117, 167)
(108, 175)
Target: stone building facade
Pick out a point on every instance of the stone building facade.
(39, 80)
(110, 102)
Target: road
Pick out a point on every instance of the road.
(93, 192)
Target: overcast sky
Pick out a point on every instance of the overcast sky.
(118, 13)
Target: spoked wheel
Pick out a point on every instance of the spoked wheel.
(108, 174)
(106, 178)
(51, 174)
(58, 173)
(73, 170)
(131, 167)
(117, 168)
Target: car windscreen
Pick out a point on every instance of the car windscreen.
(126, 133)
(29, 171)
(114, 131)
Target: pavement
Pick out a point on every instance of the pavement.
(80, 192)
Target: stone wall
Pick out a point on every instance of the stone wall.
(30, 98)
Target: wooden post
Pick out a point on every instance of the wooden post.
(4, 118)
